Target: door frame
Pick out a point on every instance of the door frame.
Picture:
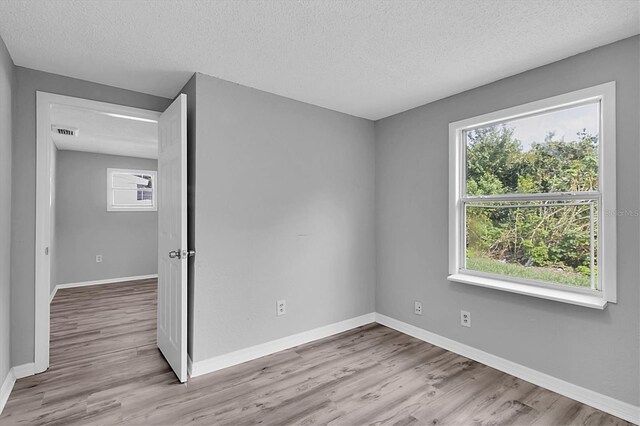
(44, 227)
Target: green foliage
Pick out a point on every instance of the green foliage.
(554, 236)
(584, 270)
(532, 273)
(539, 254)
(492, 154)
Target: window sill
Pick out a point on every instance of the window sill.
(131, 209)
(586, 300)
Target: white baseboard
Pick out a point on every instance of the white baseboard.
(24, 370)
(53, 294)
(98, 282)
(15, 373)
(594, 399)
(7, 387)
(597, 400)
(210, 365)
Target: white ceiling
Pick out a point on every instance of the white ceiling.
(105, 133)
(368, 58)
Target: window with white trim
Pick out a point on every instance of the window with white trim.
(131, 190)
(532, 198)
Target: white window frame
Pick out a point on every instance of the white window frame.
(606, 196)
(142, 208)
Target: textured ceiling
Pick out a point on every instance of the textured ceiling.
(367, 58)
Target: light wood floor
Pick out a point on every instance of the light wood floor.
(105, 369)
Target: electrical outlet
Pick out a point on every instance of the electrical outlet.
(98, 258)
(417, 308)
(281, 307)
(465, 318)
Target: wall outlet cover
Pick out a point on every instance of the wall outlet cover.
(417, 308)
(281, 307)
(465, 318)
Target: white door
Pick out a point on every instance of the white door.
(172, 236)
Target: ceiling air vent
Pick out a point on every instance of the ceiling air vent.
(64, 130)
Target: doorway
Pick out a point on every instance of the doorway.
(66, 124)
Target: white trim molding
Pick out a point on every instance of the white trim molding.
(594, 399)
(53, 294)
(121, 280)
(558, 295)
(7, 387)
(44, 176)
(589, 397)
(216, 363)
(24, 370)
(15, 373)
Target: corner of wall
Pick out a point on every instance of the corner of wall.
(7, 137)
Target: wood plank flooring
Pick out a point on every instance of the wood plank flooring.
(106, 369)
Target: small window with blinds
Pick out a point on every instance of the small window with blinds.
(131, 190)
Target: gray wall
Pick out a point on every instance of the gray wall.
(24, 201)
(285, 200)
(598, 350)
(127, 241)
(6, 105)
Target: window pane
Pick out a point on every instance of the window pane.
(145, 195)
(131, 181)
(147, 182)
(550, 152)
(542, 241)
(132, 197)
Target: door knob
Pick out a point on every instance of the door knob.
(175, 254)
